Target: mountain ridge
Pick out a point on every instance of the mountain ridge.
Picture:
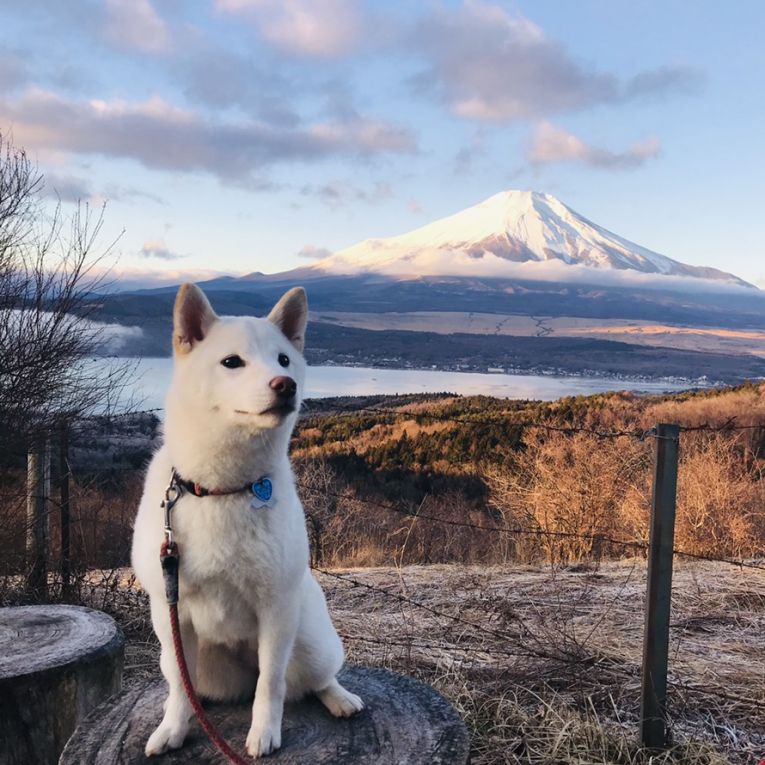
(507, 229)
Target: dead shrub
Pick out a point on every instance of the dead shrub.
(567, 485)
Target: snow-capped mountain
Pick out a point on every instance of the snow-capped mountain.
(509, 228)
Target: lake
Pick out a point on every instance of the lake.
(153, 378)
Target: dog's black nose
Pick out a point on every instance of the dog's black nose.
(284, 387)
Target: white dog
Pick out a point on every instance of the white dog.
(252, 615)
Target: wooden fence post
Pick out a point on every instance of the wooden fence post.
(38, 491)
(63, 491)
(653, 698)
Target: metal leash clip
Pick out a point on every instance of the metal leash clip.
(169, 551)
(172, 495)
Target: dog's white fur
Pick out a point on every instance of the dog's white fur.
(252, 615)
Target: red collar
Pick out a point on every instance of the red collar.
(200, 491)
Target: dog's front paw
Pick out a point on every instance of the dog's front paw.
(263, 739)
(165, 737)
(346, 704)
(340, 701)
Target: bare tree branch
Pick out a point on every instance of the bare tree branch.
(50, 269)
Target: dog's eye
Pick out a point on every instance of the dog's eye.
(233, 362)
(284, 359)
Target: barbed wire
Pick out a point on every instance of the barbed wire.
(353, 582)
(710, 691)
(521, 531)
(498, 418)
(504, 417)
(496, 634)
(117, 415)
(731, 561)
(513, 530)
(726, 427)
(447, 647)
(625, 671)
(339, 410)
(579, 655)
(566, 659)
(595, 538)
(501, 417)
(641, 434)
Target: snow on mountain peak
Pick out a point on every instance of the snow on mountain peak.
(511, 227)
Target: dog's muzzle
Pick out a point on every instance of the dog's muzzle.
(285, 389)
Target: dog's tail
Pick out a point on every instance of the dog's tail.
(225, 674)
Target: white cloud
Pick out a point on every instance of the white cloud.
(136, 24)
(110, 338)
(162, 136)
(220, 79)
(665, 79)
(368, 135)
(71, 188)
(551, 144)
(489, 65)
(447, 262)
(467, 156)
(156, 248)
(321, 28)
(314, 252)
(67, 188)
(127, 280)
(338, 193)
(13, 70)
(114, 337)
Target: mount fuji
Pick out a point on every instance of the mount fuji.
(510, 228)
(518, 281)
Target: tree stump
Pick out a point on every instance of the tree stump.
(404, 723)
(56, 664)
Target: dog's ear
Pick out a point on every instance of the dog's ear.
(192, 318)
(290, 314)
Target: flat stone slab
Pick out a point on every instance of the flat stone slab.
(405, 722)
(56, 664)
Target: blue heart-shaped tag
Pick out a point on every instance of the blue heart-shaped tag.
(263, 489)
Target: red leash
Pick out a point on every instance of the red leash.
(169, 559)
(204, 721)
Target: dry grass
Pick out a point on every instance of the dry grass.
(542, 660)
(549, 673)
(552, 485)
(557, 485)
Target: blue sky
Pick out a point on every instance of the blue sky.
(248, 135)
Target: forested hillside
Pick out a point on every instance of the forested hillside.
(577, 465)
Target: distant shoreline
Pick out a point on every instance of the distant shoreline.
(547, 356)
(153, 375)
(552, 372)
